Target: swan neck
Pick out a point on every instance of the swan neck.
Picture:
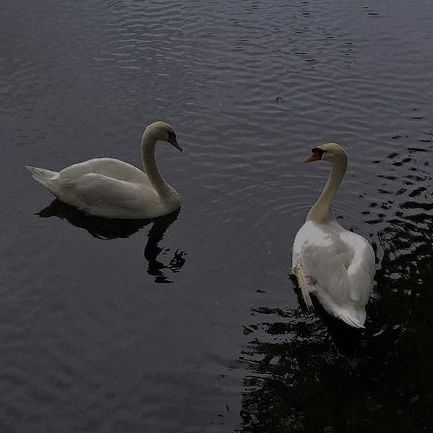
(148, 143)
(321, 211)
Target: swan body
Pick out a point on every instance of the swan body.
(334, 264)
(112, 188)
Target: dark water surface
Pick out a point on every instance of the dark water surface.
(190, 323)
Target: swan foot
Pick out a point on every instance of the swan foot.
(298, 271)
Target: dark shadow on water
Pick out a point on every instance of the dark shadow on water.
(346, 338)
(100, 228)
(152, 250)
(298, 382)
(107, 228)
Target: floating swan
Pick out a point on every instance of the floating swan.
(111, 188)
(334, 264)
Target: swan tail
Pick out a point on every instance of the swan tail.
(300, 276)
(42, 175)
(352, 321)
(352, 317)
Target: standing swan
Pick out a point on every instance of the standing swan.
(338, 266)
(111, 188)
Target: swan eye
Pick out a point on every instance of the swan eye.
(173, 141)
(318, 151)
(172, 138)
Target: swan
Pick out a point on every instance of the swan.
(334, 264)
(112, 188)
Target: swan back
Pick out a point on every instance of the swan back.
(339, 267)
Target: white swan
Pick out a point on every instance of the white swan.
(334, 264)
(111, 188)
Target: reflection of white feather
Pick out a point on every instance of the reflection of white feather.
(338, 266)
(111, 188)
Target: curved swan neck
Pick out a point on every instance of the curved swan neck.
(321, 211)
(148, 142)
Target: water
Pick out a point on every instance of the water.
(190, 323)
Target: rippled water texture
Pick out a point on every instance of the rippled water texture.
(190, 323)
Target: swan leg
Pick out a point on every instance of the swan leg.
(298, 271)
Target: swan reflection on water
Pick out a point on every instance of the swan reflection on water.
(106, 228)
(297, 379)
(345, 337)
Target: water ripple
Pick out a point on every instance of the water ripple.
(250, 87)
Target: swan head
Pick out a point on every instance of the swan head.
(331, 152)
(162, 131)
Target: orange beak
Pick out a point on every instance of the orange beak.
(313, 157)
